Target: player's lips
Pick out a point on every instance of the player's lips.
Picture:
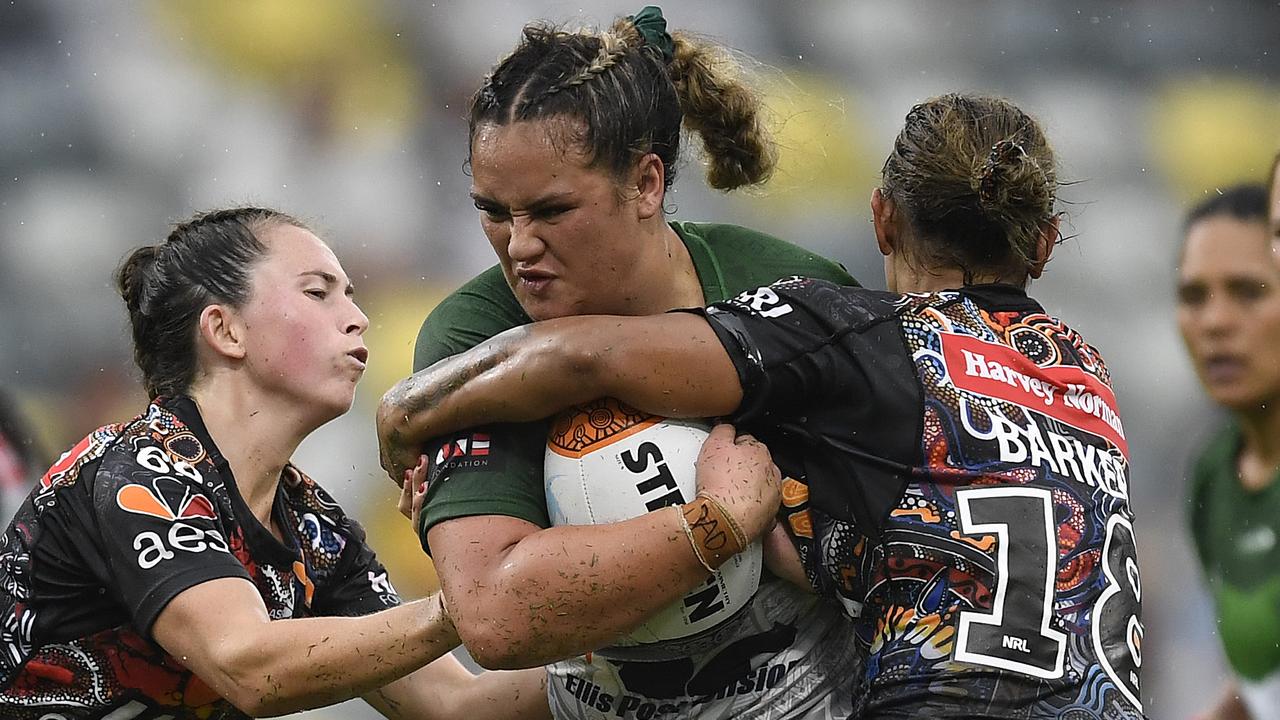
(360, 355)
(1224, 369)
(534, 281)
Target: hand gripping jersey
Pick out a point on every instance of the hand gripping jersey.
(965, 493)
(796, 657)
(125, 521)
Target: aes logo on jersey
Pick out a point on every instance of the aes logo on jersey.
(174, 501)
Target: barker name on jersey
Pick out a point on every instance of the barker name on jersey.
(1052, 396)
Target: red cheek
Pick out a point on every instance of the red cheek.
(292, 354)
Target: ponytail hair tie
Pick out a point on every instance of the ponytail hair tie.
(1002, 153)
(653, 29)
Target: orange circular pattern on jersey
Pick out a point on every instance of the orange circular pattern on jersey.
(801, 523)
(794, 493)
(585, 428)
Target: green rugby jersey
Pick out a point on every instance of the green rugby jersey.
(1236, 533)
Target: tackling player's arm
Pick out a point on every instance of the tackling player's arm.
(671, 365)
(192, 595)
(446, 689)
(267, 667)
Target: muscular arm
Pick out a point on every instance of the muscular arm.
(267, 667)
(523, 596)
(671, 365)
(533, 595)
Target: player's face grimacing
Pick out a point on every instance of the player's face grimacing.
(302, 329)
(1229, 310)
(564, 233)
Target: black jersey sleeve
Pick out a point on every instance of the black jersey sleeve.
(359, 584)
(160, 527)
(827, 382)
(786, 348)
(804, 343)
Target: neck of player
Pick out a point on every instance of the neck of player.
(1260, 454)
(669, 278)
(256, 433)
(904, 278)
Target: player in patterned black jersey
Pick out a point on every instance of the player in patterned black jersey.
(177, 565)
(962, 468)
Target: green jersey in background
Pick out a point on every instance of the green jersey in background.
(1237, 536)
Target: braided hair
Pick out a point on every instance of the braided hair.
(630, 97)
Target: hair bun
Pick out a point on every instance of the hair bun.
(996, 169)
(131, 278)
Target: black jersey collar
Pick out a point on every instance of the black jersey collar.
(1000, 296)
(186, 411)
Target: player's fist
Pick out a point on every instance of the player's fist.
(737, 471)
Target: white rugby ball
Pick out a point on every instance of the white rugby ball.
(607, 462)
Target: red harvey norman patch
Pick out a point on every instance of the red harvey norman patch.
(1065, 393)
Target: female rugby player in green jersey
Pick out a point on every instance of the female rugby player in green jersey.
(574, 142)
(177, 565)
(1229, 315)
(960, 466)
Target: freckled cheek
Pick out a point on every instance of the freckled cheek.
(292, 354)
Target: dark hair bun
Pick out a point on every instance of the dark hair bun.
(131, 278)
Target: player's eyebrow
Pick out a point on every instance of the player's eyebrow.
(538, 202)
(329, 279)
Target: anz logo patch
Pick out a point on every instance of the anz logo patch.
(465, 451)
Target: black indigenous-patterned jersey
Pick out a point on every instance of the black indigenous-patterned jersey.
(965, 493)
(126, 520)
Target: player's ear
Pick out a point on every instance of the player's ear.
(1046, 241)
(649, 177)
(222, 330)
(882, 216)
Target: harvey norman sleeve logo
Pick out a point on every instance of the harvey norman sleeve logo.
(1067, 394)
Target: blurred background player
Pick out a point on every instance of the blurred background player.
(1275, 203)
(1229, 315)
(574, 146)
(156, 571)
(965, 491)
(21, 457)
